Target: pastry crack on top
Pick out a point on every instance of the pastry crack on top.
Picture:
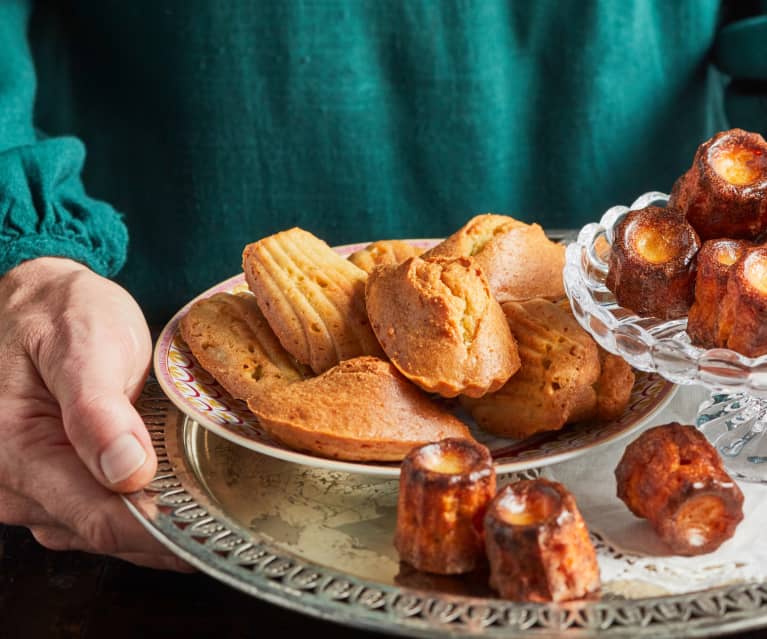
(350, 358)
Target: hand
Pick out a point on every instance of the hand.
(74, 354)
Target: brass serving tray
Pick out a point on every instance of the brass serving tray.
(320, 542)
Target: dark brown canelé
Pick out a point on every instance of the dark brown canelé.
(714, 265)
(652, 263)
(444, 489)
(673, 477)
(538, 544)
(744, 307)
(724, 193)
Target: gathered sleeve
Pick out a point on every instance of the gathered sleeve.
(44, 210)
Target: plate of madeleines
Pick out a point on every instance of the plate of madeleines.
(347, 358)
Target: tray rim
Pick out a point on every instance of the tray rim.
(176, 509)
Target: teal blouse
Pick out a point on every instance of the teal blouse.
(210, 124)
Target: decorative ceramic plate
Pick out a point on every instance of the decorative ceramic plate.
(320, 542)
(199, 396)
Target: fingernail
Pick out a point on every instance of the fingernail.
(123, 457)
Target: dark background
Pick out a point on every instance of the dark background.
(64, 595)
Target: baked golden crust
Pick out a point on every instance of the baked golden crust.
(715, 262)
(231, 340)
(744, 308)
(472, 237)
(724, 193)
(312, 298)
(520, 262)
(538, 544)
(440, 326)
(555, 384)
(613, 387)
(363, 409)
(651, 268)
(444, 489)
(383, 252)
(673, 477)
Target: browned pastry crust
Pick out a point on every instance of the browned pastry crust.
(538, 544)
(233, 342)
(724, 193)
(312, 298)
(555, 384)
(744, 307)
(714, 264)
(444, 489)
(613, 388)
(440, 326)
(383, 252)
(472, 237)
(520, 262)
(652, 263)
(672, 476)
(363, 409)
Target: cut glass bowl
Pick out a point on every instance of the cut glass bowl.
(735, 415)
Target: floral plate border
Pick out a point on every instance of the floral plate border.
(176, 509)
(197, 394)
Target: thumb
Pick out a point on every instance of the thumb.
(93, 383)
(109, 436)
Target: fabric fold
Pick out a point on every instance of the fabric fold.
(740, 51)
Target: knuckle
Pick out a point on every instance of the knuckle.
(86, 407)
(87, 416)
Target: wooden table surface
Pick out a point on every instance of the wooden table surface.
(67, 595)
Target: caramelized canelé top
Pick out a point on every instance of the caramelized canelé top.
(651, 268)
(724, 192)
(749, 277)
(739, 158)
(754, 272)
(528, 504)
(716, 258)
(452, 460)
(726, 252)
(658, 236)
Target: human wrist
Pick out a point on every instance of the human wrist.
(38, 269)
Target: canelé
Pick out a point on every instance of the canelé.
(538, 545)
(673, 477)
(744, 307)
(724, 192)
(444, 489)
(714, 265)
(651, 267)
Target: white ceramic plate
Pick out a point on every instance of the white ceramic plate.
(199, 396)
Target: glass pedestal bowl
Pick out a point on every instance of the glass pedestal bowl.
(734, 418)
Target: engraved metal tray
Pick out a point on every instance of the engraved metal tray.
(320, 542)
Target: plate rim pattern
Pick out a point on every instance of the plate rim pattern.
(163, 375)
